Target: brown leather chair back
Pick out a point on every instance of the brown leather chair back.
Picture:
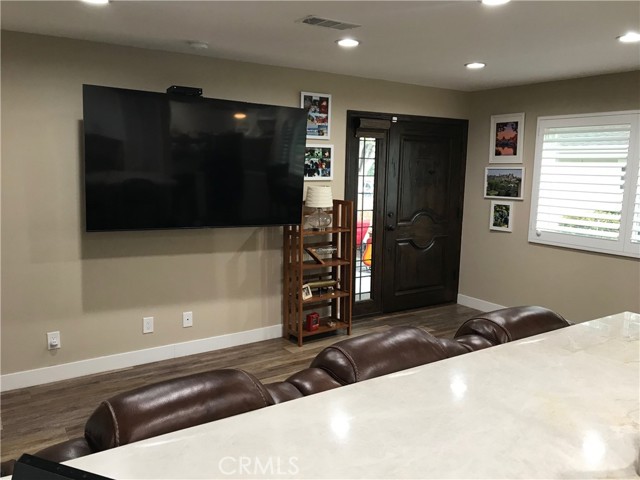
(380, 353)
(282, 392)
(313, 380)
(513, 323)
(172, 405)
(66, 450)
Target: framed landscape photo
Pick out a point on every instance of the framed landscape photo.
(507, 134)
(318, 162)
(501, 218)
(318, 108)
(504, 182)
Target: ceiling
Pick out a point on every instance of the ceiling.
(416, 42)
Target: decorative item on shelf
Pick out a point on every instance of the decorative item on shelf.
(313, 321)
(319, 198)
(324, 286)
(315, 252)
(306, 292)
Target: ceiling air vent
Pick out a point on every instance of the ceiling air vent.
(326, 23)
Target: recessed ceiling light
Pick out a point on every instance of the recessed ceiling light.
(348, 42)
(475, 65)
(239, 116)
(630, 37)
(198, 45)
(96, 2)
(493, 3)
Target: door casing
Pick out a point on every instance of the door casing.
(434, 229)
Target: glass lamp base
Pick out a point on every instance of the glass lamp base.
(319, 220)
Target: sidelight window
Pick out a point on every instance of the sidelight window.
(364, 217)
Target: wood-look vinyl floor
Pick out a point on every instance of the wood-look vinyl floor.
(40, 416)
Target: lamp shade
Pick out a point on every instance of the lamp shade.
(319, 197)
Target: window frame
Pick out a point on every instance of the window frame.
(623, 245)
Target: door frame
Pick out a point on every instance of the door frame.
(382, 162)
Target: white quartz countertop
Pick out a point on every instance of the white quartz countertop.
(564, 404)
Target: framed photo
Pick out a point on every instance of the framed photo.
(501, 218)
(318, 108)
(306, 292)
(318, 162)
(504, 182)
(507, 135)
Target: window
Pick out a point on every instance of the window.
(586, 185)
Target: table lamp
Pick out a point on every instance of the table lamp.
(319, 198)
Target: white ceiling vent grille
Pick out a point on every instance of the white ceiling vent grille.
(326, 23)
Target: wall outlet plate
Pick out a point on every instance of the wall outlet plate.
(53, 340)
(187, 319)
(147, 325)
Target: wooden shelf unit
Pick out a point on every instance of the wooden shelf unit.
(300, 268)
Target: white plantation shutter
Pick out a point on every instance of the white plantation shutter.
(585, 192)
(635, 224)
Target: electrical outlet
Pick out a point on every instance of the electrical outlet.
(147, 325)
(53, 340)
(187, 319)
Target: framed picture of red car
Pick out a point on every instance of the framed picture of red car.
(507, 137)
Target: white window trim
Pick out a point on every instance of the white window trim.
(622, 247)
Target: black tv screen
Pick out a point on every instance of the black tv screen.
(163, 161)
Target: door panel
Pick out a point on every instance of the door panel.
(423, 177)
(422, 235)
(419, 270)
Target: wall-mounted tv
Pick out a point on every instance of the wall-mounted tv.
(164, 161)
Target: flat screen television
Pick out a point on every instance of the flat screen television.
(164, 161)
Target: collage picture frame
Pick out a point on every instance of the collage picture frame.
(318, 162)
(318, 108)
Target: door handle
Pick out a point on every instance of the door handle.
(389, 227)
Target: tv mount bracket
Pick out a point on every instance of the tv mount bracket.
(190, 91)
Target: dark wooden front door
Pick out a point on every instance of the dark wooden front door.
(420, 214)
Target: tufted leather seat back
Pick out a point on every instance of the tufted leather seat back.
(513, 323)
(172, 405)
(380, 353)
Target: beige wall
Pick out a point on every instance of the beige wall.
(504, 268)
(95, 288)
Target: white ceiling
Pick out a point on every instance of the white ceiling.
(416, 42)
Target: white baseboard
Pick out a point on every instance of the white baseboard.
(91, 366)
(478, 304)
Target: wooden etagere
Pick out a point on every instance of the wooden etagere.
(304, 263)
